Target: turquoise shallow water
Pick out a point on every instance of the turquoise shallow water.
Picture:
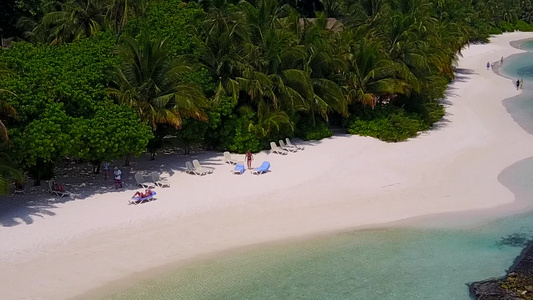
(528, 45)
(372, 264)
(425, 262)
(521, 107)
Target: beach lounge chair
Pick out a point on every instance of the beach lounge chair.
(157, 180)
(190, 169)
(289, 144)
(239, 168)
(199, 169)
(139, 178)
(57, 193)
(284, 147)
(19, 189)
(138, 200)
(275, 149)
(265, 166)
(228, 159)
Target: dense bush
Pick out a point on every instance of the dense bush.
(112, 132)
(390, 124)
(307, 131)
(172, 20)
(523, 26)
(506, 26)
(59, 94)
(235, 135)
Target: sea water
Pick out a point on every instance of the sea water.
(423, 262)
(527, 45)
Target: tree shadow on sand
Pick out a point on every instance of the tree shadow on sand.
(83, 184)
(21, 211)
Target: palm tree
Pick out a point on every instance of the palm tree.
(373, 76)
(118, 12)
(67, 21)
(324, 64)
(223, 48)
(152, 83)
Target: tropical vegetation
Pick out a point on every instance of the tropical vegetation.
(95, 80)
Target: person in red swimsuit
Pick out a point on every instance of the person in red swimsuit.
(146, 193)
(249, 158)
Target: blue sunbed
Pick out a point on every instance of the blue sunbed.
(138, 200)
(265, 166)
(239, 169)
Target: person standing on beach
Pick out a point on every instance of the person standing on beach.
(105, 167)
(521, 83)
(488, 65)
(517, 84)
(118, 178)
(501, 60)
(249, 157)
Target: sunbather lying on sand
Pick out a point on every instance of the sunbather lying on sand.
(146, 193)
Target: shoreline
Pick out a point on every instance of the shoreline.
(360, 182)
(471, 219)
(520, 270)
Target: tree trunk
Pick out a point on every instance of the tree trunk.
(127, 161)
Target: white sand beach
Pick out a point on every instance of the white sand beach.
(63, 248)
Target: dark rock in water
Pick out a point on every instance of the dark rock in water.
(517, 284)
(515, 240)
(489, 290)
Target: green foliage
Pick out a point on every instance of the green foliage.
(269, 72)
(433, 112)
(43, 140)
(151, 82)
(506, 26)
(170, 20)
(53, 86)
(113, 132)
(33, 7)
(234, 133)
(389, 124)
(8, 170)
(307, 131)
(523, 26)
(192, 133)
(201, 78)
(73, 74)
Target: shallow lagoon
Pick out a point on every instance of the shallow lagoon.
(424, 262)
(371, 264)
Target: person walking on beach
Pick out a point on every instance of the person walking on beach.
(517, 84)
(521, 83)
(488, 65)
(118, 178)
(501, 60)
(249, 157)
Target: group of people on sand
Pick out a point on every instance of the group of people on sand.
(116, 173)
(519, 82)
(489, 65)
